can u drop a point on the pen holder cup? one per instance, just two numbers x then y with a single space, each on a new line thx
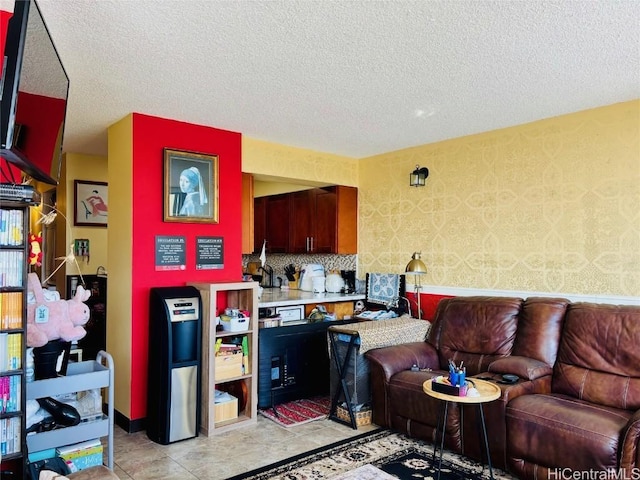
457 379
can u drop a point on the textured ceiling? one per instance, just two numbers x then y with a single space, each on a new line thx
354 77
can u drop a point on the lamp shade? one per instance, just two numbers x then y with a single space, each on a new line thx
416 265
418 177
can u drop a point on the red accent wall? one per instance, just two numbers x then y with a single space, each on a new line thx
150 136
428 304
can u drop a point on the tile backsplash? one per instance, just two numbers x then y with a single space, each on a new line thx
278 261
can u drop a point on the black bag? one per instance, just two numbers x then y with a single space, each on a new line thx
55 464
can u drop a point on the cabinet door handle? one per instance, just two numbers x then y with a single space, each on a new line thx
311 243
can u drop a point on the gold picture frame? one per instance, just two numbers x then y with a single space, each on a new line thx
190 187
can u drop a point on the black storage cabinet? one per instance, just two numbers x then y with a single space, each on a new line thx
293 362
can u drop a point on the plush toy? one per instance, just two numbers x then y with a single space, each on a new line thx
58 319
35 249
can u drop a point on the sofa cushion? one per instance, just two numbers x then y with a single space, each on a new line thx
590 433
599 358
539 328
476 330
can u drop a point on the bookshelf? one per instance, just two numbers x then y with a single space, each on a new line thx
14 228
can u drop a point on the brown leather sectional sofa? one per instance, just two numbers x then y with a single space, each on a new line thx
575 406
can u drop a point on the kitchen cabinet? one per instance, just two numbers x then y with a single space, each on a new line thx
293 362
248 222
324 220
276 223
259 222
324 229
244 386
317 220
302 220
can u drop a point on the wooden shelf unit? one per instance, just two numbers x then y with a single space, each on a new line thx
242 295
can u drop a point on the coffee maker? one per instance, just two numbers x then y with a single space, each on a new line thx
349 277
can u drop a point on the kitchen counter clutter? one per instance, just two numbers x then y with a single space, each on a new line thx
287 307
277 297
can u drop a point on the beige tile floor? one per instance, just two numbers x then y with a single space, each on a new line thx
221 456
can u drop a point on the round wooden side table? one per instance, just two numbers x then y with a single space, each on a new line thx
487 392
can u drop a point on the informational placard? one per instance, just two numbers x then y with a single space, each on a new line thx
171 253
209 253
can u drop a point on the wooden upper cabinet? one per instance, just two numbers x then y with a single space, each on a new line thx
318 220
324 220
259 222
302 220
277 223
324 226
346 220
248 220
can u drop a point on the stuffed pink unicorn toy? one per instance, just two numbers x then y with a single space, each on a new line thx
58 319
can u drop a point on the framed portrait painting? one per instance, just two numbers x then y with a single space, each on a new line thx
190 187
90 200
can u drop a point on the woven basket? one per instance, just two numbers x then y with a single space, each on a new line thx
363 417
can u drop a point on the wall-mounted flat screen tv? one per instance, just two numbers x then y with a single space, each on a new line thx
34 91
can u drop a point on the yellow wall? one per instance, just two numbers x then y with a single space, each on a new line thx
90 168
119 298
550 206
263 189
272 159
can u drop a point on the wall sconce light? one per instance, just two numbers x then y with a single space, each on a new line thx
418 177
417 268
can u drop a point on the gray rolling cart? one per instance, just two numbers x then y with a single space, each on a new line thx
80 376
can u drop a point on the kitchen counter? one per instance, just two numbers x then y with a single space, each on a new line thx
276 297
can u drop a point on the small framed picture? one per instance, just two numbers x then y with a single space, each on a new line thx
90 203
190 187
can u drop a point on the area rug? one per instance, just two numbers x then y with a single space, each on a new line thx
298 412
377 455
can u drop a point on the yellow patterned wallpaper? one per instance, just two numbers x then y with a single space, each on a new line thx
550 206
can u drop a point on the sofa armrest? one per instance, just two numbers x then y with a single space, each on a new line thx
390 360
630 444
523 367
387 361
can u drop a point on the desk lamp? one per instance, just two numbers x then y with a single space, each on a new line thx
417 268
